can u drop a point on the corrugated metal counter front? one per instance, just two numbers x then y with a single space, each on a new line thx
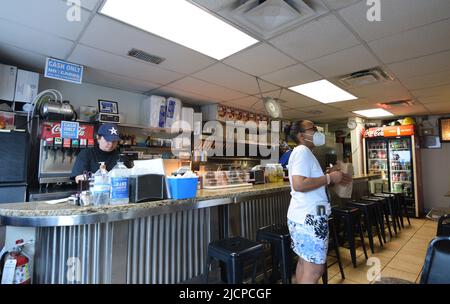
152 242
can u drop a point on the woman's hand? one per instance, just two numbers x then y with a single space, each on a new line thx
346 179
336 177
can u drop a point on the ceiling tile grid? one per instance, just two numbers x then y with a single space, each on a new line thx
49 16
315 39
291 76
177 58
260 59
122 66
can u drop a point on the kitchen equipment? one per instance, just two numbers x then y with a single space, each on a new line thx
141 191
54 110
87 113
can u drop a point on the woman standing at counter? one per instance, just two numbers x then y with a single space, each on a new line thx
309 207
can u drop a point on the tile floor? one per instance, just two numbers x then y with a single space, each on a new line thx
401 257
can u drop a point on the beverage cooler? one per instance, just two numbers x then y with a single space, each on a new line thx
393 153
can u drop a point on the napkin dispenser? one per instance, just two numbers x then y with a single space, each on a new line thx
147 187
257 177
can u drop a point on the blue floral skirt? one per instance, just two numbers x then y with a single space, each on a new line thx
310 239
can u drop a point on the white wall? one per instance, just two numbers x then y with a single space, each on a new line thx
435 171
88 94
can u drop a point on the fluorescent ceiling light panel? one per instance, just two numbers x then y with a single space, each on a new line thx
181 22
323 91
372 113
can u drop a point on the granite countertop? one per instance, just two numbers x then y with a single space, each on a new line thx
43 209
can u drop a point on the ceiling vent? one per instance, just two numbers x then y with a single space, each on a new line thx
266 18
141 55
366 77
396 104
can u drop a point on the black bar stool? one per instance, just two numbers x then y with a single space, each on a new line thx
370 218
392 209
383 214
401 206
280 245
352 222
234 253
333 237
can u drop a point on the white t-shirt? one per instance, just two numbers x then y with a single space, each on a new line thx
303 162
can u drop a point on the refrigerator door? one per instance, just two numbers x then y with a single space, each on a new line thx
400 164
377 162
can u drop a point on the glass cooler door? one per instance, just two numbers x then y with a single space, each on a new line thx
400 164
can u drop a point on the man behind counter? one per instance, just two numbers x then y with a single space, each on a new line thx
105 151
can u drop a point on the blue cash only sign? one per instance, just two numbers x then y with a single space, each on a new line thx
62 70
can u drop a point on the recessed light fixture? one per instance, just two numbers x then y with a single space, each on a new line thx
323 91
182 22
373 113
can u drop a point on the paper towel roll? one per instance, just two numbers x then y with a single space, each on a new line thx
154 112
173 111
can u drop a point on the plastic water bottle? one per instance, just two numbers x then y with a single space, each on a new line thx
101 186
119 184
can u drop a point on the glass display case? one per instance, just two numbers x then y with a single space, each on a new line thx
225 179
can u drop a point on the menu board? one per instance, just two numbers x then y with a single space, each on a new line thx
444 129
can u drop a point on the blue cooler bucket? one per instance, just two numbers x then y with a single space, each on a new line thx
183 188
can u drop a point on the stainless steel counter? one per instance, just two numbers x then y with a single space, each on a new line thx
152 242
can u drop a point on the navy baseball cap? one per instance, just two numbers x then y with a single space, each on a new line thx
109 131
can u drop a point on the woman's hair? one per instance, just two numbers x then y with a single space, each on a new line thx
296 128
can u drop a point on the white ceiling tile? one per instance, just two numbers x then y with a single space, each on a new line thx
383 92
431 92
410 110
33 40
425 81
337 4
88 4
178 58
434 99
438 107
421 66
291 76
315 39
229 77
248 103
294 100
45 15
319 110
122 66
353 105
414 43
111 80
185 97
214 5
347 61
21 58
396 16
259 60
200 87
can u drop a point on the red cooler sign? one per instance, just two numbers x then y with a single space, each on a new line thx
53 129
390 131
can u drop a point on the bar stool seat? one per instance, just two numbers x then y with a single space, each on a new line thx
280 244
383 214
334 243
370 217
352 220
393 210
234 253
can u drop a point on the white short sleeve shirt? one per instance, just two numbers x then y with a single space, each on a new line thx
303 162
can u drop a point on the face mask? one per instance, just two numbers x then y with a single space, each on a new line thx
318 139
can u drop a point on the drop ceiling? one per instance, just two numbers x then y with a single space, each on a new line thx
410 43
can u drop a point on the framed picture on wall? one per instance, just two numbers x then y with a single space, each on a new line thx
108 106
444 129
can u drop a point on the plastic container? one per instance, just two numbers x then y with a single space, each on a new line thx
101 187
119 184
183 187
